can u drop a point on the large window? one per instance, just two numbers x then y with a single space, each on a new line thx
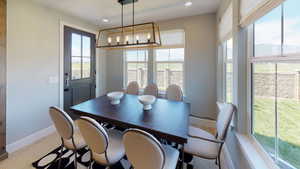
276 83
169 67
163 65
228 65
136 67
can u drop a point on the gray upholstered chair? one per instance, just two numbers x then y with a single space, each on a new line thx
106 147
71 138
174 92
133 88
145 152
151 89
205 145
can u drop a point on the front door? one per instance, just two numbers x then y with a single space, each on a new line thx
79 66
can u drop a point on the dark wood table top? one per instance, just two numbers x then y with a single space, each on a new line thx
167 119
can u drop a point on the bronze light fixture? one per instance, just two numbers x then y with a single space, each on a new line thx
132 36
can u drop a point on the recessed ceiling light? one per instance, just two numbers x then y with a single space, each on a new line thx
105 20
188 3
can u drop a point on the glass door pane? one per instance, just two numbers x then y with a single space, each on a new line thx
86 58
76 56
288 108
264 78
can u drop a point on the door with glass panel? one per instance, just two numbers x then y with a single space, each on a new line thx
79 66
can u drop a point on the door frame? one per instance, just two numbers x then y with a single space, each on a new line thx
3 75
61 59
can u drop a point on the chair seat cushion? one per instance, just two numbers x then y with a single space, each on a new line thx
195 131
115 150
78 140
199 147
172 155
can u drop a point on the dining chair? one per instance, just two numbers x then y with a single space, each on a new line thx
205 145
151 89
145 152
174 92
106 147
70 138
133 88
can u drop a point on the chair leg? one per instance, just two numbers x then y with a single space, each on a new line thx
60 155
75 159
219 162
91 160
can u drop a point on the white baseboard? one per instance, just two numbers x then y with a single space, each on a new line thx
10 148
227 158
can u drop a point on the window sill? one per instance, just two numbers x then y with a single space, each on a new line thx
254 153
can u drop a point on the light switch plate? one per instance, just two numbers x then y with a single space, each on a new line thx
53 80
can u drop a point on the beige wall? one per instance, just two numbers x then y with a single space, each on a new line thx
33 49
200 56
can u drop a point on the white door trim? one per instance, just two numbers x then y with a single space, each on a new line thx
61 58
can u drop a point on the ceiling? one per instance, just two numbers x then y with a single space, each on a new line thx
94 11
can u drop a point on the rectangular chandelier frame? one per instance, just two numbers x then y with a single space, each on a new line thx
132 36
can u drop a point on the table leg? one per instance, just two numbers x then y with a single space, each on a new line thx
182 154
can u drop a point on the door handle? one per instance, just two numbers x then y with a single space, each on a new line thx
67 81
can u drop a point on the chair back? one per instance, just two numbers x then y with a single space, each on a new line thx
63 122
143 150
93 134
151 89
224 118
133 88
174 92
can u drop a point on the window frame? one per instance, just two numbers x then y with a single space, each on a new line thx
181 62
275 59
125 67
226 61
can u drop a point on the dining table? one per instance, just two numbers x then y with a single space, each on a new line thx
168 120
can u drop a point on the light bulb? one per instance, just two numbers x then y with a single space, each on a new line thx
149 36
118 39
127 39
137 37
109 40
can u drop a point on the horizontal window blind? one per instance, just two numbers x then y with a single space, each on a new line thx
251 10
225 25
173 38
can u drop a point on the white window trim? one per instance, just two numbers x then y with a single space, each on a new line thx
254 153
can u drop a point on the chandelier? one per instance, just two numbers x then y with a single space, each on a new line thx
130 36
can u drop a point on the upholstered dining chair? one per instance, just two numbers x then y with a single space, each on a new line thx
70 138
145 151
133 88
205 145
106 147
174 92
151 89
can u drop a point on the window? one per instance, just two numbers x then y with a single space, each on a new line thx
81 56
276 84
228 70
169 65
136 67
164 66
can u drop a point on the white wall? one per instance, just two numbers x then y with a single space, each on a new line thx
200 77
33 50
